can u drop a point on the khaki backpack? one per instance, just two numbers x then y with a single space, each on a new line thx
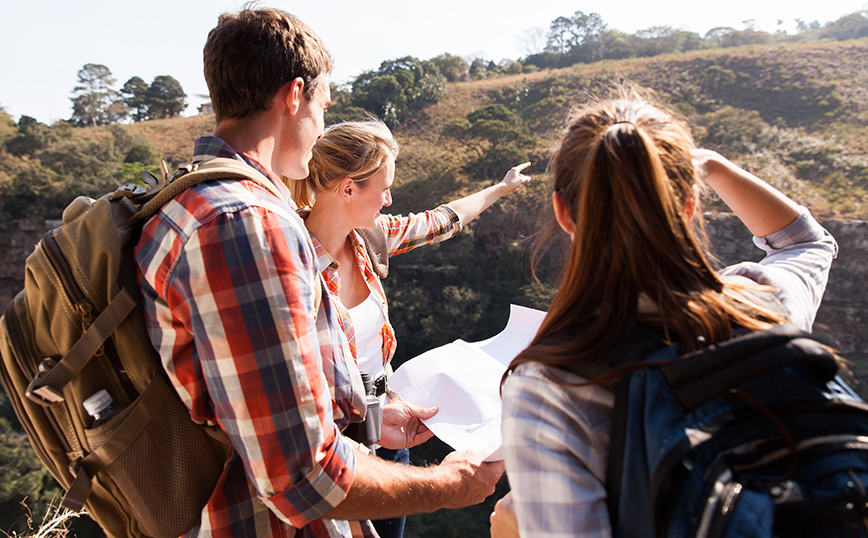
76 328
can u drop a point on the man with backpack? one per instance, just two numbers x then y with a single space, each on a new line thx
232 302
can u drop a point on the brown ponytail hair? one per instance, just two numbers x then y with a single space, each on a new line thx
353 149
624 170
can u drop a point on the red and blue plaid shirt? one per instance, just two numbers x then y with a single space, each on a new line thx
228 277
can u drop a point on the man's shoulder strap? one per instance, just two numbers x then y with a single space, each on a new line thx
201 169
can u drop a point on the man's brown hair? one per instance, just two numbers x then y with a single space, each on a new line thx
251 54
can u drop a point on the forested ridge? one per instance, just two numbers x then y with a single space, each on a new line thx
794 114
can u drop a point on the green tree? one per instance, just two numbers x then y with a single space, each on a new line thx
22 476
135 91
717 35
30 137
143 152
577 38
80 158
852 26
95 102
165 98
454 68
489 127
496 135
665 40
7 126
477 69
730 37
398 87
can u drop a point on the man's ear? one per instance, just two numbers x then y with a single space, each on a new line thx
294 94
562 214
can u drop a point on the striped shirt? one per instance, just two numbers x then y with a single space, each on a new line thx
403 234
228 278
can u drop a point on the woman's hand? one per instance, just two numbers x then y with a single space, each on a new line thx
504 524
514 178
706 162
402 425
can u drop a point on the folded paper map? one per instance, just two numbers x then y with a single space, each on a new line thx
463 380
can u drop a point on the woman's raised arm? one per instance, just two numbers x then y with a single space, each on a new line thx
469 207
761 207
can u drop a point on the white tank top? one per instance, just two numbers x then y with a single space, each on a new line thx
368 321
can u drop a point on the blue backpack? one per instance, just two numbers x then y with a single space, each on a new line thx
756 436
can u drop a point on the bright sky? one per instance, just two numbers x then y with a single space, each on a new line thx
44 43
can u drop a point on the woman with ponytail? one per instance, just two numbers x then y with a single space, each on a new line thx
627 179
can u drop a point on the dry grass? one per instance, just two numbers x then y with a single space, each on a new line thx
54 524
173 138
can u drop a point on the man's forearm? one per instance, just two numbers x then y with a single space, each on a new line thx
383 489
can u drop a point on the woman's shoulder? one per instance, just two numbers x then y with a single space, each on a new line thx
534 371
534 381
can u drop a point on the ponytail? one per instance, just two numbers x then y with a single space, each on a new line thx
624 170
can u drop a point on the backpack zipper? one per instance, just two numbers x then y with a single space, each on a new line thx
85 308
722 518
720 506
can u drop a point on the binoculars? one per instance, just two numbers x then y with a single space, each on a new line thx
367 432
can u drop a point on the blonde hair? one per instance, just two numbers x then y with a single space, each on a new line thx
353 149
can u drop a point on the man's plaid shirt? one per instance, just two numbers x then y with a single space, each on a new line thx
228 278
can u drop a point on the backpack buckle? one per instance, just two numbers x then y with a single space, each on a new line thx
38 392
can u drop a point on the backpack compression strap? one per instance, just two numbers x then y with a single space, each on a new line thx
701 376
46 387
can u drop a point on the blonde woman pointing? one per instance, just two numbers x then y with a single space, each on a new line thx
351 174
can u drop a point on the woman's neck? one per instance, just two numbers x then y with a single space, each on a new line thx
329 228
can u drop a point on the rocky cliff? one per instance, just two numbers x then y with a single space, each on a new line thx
842 316
844 311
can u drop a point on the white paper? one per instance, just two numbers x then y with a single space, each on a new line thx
463 380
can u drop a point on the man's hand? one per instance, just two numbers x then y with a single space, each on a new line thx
473 479
504 524
402 425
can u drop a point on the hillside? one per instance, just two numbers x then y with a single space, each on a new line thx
792 114
795 115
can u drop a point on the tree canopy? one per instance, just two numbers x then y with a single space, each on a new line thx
94 101
135 95
398 87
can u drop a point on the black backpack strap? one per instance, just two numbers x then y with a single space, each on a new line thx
701 376
642 342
